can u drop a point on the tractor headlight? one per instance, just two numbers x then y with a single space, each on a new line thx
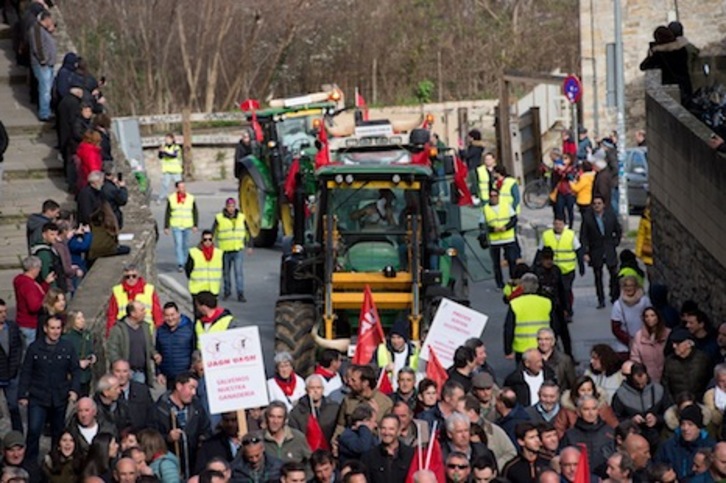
451 252
297 249
396 178
339 178
271 144
349 178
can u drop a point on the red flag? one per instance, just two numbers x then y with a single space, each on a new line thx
290 181
322 157
384 383
435 371
582 474
460 174
422 157
370 331
253 105
314 434
435 463
361 104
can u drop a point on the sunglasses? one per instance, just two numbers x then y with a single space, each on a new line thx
130 276
206 239
452 466
249 441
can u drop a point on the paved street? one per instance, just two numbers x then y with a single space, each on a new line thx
590 325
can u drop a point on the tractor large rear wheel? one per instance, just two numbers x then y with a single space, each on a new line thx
294 322
251 200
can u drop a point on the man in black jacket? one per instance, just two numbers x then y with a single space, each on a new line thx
111 406
49 379
223 444
11 354
14 456
115 193
526 466
600 235
324 410
389 461
526 380
137 395
90 198
180 411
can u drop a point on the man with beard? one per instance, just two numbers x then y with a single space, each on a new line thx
252 464
525 467
546 409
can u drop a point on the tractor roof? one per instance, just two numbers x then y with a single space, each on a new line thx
315 108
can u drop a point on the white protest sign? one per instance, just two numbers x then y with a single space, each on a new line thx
453 324
234 370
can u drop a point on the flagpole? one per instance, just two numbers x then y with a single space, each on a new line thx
420 443
431 445
356 97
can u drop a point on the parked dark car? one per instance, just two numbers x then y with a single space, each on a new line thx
636 172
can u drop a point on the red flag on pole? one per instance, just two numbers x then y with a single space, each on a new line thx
384 383
434 458
435 371
360 103
582 474
314 434
322 157
370 331
253 105
460 174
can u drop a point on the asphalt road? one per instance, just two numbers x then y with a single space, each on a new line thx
590 325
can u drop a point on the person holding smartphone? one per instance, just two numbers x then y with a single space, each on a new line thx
114 191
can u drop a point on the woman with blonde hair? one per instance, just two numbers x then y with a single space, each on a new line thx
76 332
54 305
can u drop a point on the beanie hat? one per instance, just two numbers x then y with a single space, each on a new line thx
693 414
400 327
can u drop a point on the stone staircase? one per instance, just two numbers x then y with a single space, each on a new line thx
31 172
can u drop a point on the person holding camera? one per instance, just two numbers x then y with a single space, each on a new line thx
115 193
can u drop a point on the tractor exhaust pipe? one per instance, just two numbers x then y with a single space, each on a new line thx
340 345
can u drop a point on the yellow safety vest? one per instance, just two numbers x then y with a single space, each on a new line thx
182 214
483 175
146 297
206 274
172 165
564 249
384 356
505 193
230 232
497 216
532 312
219 325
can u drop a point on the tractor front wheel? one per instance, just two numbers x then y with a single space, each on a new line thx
294 322
251 200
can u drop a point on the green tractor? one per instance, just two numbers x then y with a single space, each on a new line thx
287 128
373 222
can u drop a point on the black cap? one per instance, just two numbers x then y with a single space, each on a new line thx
680 334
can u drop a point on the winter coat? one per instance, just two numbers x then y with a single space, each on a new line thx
117 414
567 417
79 246
64 473
498 441
352 443
276 393
383 468
34 228
69 108
648 351
608 384
671 417
603 187
118 346
294 447
509 422
89 160
83 344
116 196
10 362
176 347
218 446
563 368
83 445
709 400
679 453
582 188
49 373
629 402
197 428
166 468
326 414
242 473
89 200
29 296
351 401
516 382
472 155
51 262
596 437
672 60
690 374
62 83
140 403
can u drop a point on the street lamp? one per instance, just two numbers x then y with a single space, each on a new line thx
620 97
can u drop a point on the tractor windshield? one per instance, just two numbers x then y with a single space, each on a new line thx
296 133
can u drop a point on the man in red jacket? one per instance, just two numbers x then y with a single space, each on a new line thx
133 287
29 296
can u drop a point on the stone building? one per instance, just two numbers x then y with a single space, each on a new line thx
704 24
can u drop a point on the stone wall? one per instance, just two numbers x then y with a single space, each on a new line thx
704 24
688 187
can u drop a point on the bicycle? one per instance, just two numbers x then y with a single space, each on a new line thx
537 192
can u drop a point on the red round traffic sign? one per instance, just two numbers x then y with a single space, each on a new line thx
572 89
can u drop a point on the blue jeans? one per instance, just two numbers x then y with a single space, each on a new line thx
615 200
28 335
166 180
565 208
233 261
181 244
44 74
37 416
10 388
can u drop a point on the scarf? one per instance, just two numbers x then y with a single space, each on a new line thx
323 372
180 197
208 252
287 386
208 319
133 290
548 416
